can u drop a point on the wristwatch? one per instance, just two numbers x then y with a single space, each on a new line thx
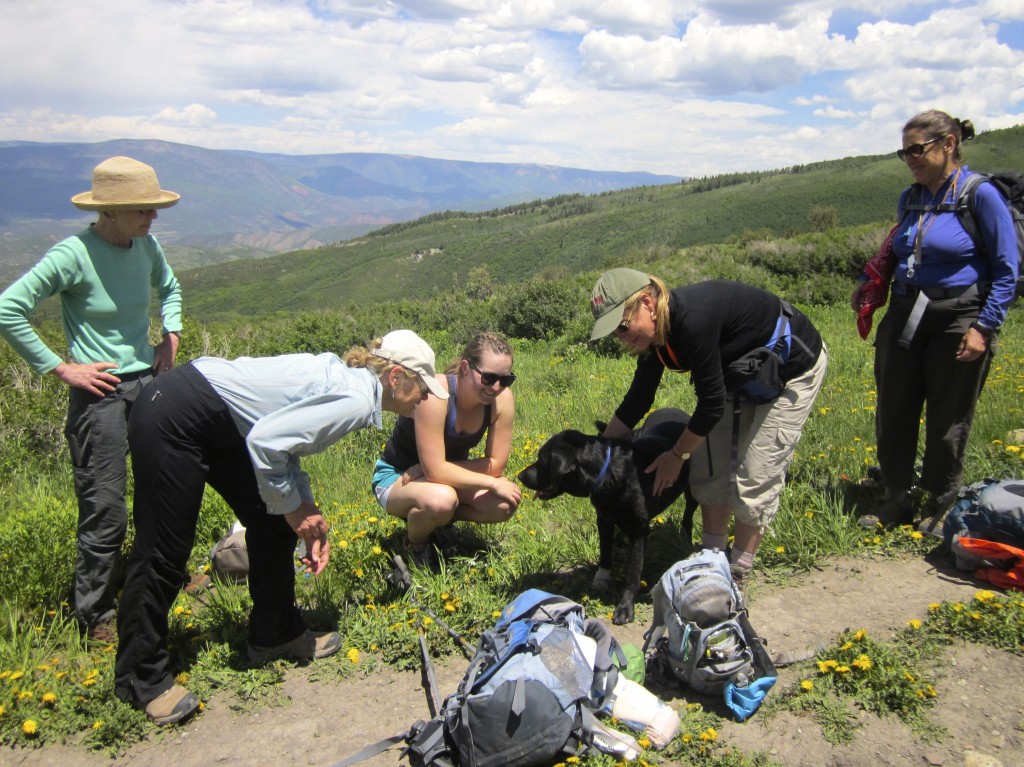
683 457
985 330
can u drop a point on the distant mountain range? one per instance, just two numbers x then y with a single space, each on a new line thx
237 204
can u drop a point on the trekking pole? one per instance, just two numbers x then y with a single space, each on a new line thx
403 578
428 670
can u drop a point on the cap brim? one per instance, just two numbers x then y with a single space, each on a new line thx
606 324
435 388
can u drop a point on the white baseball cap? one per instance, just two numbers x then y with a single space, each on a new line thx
405 348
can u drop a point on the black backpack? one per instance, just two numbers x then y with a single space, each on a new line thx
1010 184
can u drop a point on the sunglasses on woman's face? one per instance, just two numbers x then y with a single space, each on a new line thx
915 150
489 379
623 327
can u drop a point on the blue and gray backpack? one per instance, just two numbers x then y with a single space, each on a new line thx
702 636
992 510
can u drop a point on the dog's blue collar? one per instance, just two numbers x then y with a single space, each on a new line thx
604 469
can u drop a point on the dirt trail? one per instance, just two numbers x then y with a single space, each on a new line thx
980 697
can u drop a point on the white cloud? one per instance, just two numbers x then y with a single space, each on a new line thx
677 86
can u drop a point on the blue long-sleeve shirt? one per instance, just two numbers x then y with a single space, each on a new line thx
290 406
949 257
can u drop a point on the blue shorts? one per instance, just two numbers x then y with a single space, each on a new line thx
384 477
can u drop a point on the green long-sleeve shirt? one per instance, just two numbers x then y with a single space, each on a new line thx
105 295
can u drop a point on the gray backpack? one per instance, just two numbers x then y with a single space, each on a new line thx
702 635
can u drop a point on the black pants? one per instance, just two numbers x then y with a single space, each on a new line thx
182 437
926 376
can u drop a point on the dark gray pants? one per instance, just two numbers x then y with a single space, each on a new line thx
97 434
926 376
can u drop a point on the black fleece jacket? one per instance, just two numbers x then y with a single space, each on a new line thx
712 324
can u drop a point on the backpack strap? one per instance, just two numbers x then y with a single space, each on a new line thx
384 744
967 211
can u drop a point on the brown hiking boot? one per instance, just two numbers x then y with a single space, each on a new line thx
740 577
172 706
306 646
934 512
896 510
421 554
104 631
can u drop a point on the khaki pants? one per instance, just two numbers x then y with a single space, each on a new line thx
768 435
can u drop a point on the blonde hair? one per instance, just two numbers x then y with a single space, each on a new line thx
659 294
474 350
362 357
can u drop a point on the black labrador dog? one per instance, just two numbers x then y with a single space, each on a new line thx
612 474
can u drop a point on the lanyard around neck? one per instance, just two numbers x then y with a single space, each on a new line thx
922 227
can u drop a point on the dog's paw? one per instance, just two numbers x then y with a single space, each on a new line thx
602 579
623 613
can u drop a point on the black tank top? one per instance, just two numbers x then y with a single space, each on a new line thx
400 451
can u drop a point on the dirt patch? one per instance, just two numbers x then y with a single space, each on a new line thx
979 694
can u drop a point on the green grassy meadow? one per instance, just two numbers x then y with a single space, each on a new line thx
55 687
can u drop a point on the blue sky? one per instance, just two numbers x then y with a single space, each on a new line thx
682 87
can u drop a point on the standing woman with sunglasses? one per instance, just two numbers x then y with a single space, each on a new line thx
950 296
425 475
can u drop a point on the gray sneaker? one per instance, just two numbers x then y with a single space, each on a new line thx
306 646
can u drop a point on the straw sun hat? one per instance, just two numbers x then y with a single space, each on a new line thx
122 182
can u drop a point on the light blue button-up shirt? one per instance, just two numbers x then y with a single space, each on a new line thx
290 406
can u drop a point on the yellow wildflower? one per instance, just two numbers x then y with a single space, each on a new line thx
842 669
914 624
49 699
780 549
353 656
710 735
917 535
29 727
984 596
97 725
859 635
847 646
377 550
807 685
16 676
934 606
863 662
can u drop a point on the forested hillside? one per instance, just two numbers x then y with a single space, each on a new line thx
804 227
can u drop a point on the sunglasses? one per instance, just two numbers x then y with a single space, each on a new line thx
489 379
915 150
623 327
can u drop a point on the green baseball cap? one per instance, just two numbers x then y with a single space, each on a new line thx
612 290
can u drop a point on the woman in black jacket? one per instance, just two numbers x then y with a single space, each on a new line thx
738 448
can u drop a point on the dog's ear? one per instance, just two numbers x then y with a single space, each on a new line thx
563 462
570 437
